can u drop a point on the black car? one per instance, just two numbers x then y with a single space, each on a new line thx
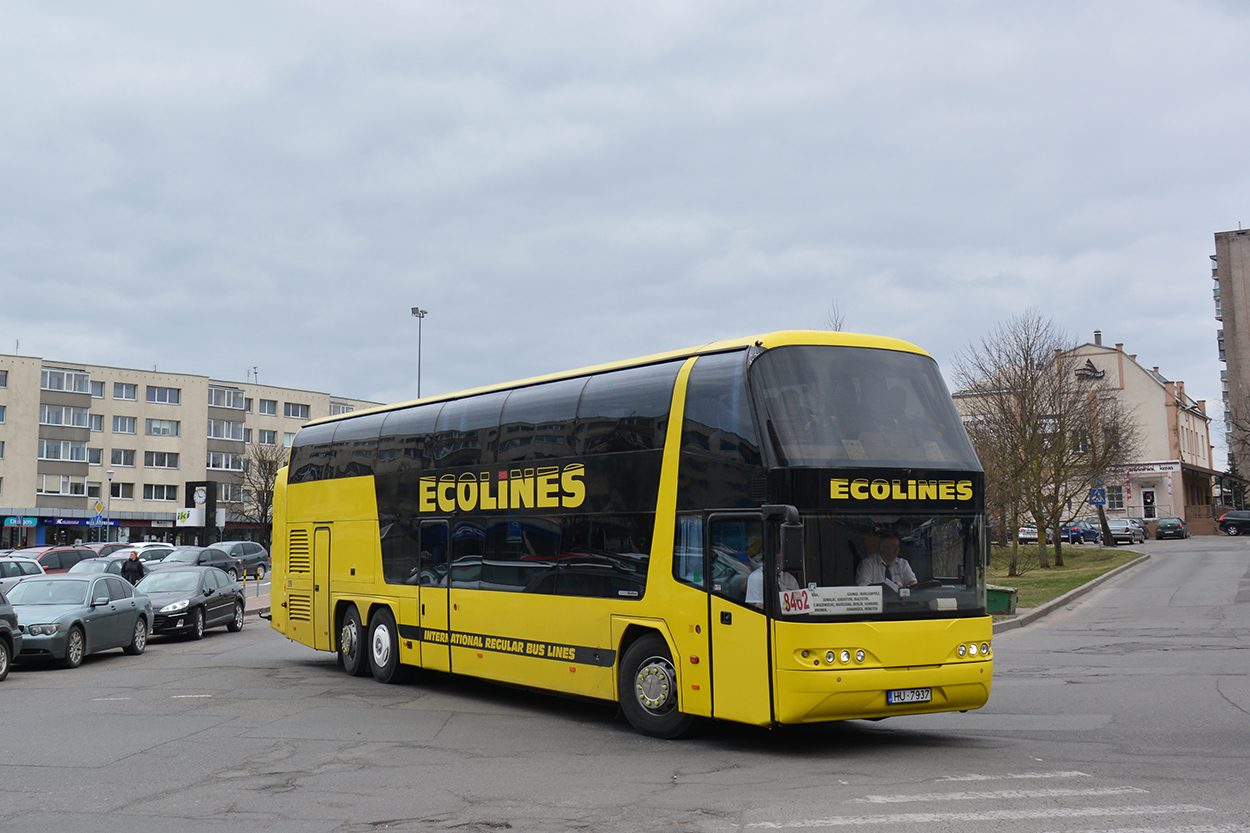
10 636
1080 532
200 557
1235 521
186 600
253 556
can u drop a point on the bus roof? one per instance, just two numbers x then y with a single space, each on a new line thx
779 338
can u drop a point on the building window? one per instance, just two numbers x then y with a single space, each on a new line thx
4 378
296 411
1115 498
62 450
74 381
268 407
60 484
247 435
97 389
229 493
122 491
225 397
93 489
121 390
1 413
341 408
123 425
63 415
163 396
222 461
221 429
288 438
95 456
123 457
160 459
267 437
1 449
160 427
96 422
158 491
247 405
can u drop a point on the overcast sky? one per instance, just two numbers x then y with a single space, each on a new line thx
214 187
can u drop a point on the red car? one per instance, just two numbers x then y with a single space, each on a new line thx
56 559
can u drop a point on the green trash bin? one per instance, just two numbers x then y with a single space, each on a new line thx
1000 601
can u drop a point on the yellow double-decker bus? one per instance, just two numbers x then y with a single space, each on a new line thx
781 529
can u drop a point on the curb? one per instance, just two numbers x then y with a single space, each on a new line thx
1072 595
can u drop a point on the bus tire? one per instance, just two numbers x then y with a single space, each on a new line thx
383 646
647 689
351 644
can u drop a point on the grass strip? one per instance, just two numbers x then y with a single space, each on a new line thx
1036 586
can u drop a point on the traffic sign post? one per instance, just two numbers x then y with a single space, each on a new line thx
1097 497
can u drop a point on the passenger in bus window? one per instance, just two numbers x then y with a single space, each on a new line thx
884 565
755 585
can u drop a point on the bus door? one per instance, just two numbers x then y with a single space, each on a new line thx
433 601
737 623
322 615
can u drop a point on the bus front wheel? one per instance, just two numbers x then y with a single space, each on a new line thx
648 689
351 633
383 646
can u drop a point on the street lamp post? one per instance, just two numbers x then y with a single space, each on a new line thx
419 314
108 509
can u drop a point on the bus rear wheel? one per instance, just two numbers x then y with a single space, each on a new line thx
383 646
647 689
351 654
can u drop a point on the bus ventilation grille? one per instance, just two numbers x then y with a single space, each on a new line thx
298 555
759 490
299 607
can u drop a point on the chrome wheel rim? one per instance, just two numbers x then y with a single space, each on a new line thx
73 650
654 685
141 635
381 645
347 638
238 616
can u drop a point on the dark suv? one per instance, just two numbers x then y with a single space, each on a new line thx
203 557
56 559
1235 521
10 636
253 556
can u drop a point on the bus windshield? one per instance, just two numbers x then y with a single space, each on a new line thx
895 567
827 405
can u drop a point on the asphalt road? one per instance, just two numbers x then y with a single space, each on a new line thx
1127 710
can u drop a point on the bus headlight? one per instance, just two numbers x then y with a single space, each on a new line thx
985 648
846 656
962 650
859 656
830 657
972 649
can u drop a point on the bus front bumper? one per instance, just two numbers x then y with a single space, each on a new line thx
839 694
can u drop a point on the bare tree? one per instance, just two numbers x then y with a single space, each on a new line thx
260 470
1047 432
836 319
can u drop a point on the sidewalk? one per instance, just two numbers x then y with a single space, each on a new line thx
1024 616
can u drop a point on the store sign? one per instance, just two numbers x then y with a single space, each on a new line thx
19 520
1153 468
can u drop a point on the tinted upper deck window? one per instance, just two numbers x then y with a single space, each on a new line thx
538 422
467 431
626 410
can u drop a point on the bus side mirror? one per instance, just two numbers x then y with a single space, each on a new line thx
792 547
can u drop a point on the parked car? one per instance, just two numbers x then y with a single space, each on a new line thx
1080 532
1123 531
253 556
10 636
203 557
106 547
189 599
56 559
107 564
14 568
149 551
66 617
1235 521
1028 535
1141 525
1170 528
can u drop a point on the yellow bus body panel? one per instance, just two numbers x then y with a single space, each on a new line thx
897 655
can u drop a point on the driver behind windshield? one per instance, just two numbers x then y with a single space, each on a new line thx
884 565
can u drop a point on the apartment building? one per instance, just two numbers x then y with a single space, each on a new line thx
1230 268
1174 472
90 452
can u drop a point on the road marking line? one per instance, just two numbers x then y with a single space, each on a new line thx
1062 792
107 699
187 696
1195 828
1008 776
984 815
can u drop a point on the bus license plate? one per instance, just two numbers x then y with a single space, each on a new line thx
908 695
